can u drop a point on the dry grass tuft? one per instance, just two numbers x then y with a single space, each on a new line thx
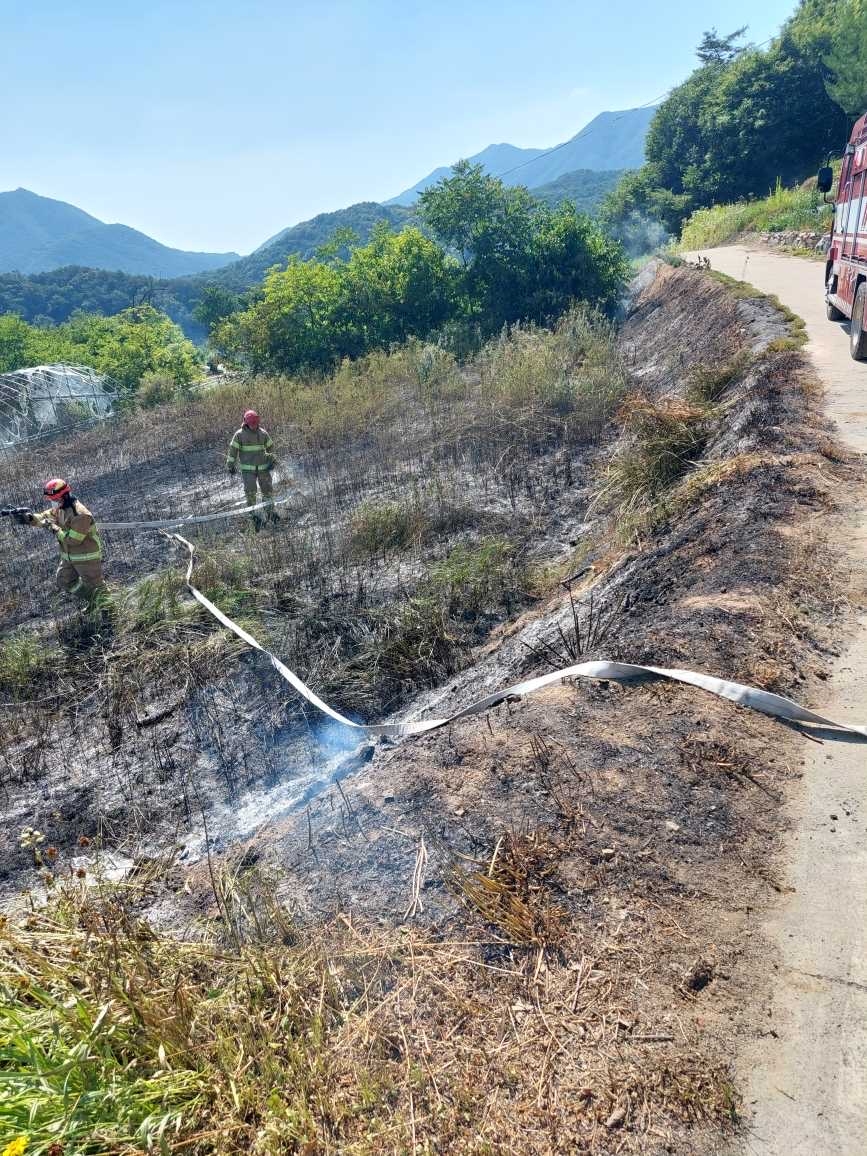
661 441
255 1035
512 895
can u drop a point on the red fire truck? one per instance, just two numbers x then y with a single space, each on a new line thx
846 270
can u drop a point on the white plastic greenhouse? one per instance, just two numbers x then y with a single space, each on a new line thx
37 401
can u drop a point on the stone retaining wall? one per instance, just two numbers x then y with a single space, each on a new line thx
791 239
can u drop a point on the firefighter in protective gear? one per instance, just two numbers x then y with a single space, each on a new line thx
252 449
80 570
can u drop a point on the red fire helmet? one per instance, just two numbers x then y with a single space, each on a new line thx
56 489
251 419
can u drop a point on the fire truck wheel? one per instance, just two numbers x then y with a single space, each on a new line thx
857 332
833 313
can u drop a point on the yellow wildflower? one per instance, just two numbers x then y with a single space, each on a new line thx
15 1147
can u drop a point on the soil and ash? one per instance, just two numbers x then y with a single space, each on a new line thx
565 890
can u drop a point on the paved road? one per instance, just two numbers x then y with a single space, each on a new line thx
808 1087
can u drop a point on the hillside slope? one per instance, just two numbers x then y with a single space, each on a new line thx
612 140
39 233
556 902
585 188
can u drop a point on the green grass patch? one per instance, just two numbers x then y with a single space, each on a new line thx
479 578
24 660
799 209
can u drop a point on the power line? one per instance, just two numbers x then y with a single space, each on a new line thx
581 136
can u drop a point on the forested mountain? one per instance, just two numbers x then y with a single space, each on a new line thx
304 239
38 233
51 298
585 188
612 140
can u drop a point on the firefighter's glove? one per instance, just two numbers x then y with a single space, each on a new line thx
22 517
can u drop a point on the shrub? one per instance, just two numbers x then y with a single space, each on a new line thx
156 389
569 379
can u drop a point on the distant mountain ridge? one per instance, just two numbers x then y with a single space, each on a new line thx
38 234
612 140
302 240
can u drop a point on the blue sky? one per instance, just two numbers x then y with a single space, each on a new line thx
214 125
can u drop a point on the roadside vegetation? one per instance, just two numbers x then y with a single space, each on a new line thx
799 209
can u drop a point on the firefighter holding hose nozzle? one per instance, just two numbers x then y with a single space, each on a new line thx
252 449
80 570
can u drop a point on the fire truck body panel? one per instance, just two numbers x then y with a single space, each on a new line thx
847 256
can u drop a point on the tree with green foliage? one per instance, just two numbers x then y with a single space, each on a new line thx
519 259
313 313
397 286
846 57
135 342
14 335
716 49
215 305
292 326
744 120
770 118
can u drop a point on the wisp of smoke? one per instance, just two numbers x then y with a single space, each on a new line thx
640 235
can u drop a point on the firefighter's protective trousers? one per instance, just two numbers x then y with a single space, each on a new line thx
253 451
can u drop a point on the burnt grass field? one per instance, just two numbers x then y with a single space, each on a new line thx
529 932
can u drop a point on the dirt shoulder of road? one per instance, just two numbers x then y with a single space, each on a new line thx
806 1081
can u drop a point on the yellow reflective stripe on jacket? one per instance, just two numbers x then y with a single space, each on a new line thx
243 467
81 557
75 535
245 449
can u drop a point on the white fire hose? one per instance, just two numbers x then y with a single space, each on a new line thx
775 705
